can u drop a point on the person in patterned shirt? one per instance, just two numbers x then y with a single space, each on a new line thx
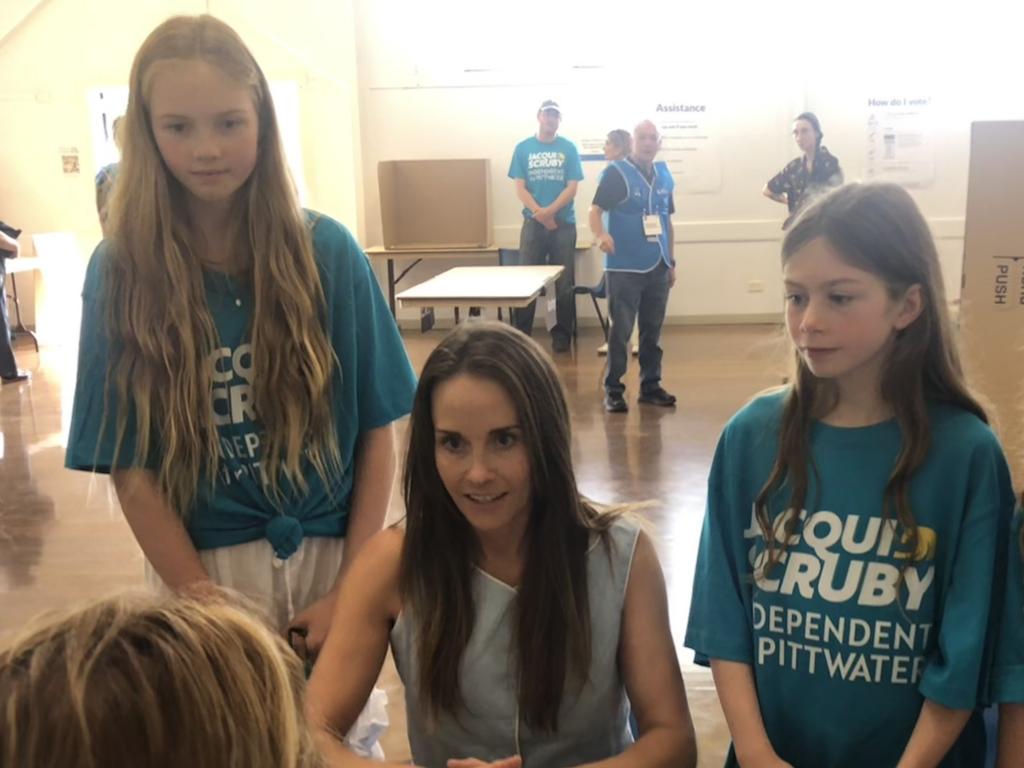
815 171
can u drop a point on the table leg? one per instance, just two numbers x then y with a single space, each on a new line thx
391 287
20 326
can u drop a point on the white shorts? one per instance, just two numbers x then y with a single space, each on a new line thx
282 589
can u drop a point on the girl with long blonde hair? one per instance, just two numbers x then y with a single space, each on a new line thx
239 370
850 554
152 681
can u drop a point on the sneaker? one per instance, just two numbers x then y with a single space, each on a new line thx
657 397
560 344
603 350
18 376
614 402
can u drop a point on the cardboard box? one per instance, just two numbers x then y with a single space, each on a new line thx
992 295
435 203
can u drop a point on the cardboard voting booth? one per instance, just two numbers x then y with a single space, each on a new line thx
435 203
992 294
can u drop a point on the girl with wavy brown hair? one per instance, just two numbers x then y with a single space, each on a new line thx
849 562
239 371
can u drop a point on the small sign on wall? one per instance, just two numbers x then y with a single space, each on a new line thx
69 160
899 140
689 143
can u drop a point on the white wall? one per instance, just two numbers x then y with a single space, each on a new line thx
388 79
443 82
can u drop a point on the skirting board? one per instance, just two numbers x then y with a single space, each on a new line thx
763 318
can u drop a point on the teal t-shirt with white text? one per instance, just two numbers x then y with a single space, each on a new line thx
547 168
375 386
841 666
1008 672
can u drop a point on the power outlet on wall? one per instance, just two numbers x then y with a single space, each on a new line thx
755 286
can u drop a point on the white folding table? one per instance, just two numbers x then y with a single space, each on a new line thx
490 287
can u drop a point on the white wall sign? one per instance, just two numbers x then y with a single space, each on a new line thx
592 145
69 161
689 144
899 143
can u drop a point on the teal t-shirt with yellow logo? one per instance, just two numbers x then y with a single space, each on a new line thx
1008 674
547 168
846 636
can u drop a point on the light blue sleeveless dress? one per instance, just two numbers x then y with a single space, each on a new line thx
592 723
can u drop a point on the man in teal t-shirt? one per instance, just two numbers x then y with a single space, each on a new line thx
546 169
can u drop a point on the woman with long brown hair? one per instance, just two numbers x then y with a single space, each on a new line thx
524 621
844 586
239 371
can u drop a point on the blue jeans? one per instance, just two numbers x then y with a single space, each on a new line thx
632 297
540 245
8 366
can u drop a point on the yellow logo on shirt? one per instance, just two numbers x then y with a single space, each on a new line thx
927 540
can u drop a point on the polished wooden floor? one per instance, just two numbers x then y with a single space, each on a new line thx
62 537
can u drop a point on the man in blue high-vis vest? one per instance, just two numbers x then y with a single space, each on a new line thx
546 169
631 219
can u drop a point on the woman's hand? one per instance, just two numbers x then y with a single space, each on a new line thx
316 620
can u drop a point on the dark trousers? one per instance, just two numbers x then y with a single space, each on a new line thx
8 366
540 245
632 297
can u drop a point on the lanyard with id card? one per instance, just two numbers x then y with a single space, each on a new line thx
652 221
652 226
